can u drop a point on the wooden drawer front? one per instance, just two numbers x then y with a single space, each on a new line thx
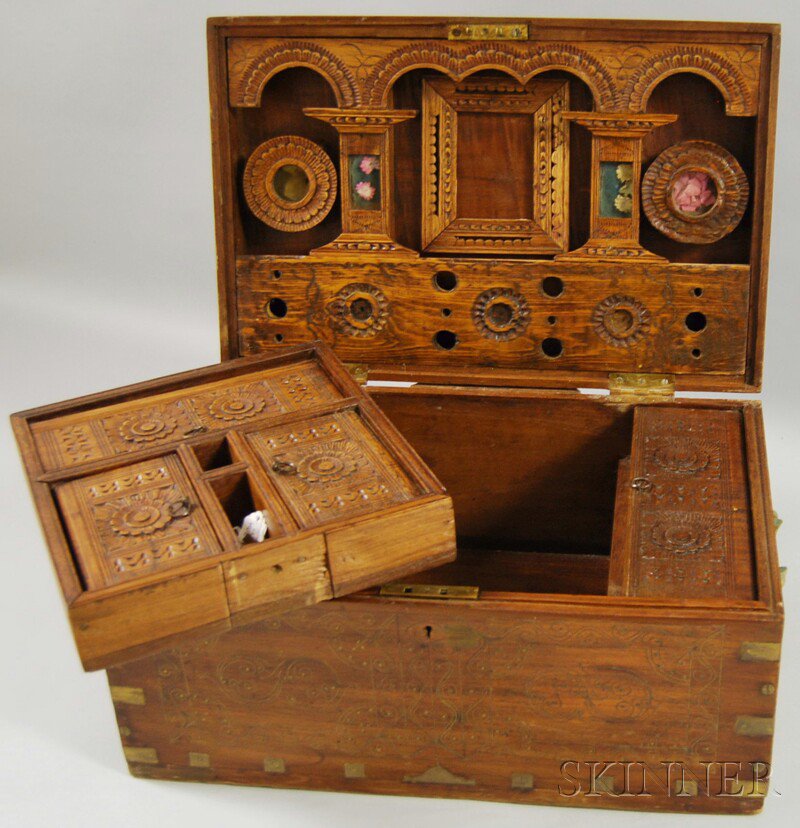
690 532
133 521
330 468
119 429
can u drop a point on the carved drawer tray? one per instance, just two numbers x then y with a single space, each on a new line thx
143 492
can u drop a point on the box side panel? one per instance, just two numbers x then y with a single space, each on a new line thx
472 700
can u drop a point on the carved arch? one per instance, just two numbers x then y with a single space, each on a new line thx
522 67
712 66
286 55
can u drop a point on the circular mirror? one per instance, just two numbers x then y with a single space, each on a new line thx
291 182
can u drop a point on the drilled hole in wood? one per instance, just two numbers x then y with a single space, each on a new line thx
552 286
446 312
277 568
551 320
698 291
552 347
696 321
276 274
446 340
278 337
276 308
361 309
696 353
445 280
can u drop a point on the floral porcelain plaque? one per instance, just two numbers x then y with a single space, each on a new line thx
365 182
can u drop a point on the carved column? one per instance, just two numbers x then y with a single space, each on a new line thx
616 173
366 148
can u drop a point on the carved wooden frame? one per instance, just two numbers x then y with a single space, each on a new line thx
733 192
266 203
546 230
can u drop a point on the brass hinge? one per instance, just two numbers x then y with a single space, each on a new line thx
640 388
488 31
359 371
468 593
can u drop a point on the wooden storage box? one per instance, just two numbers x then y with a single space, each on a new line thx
502 212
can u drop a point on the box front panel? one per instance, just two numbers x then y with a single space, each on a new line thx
438 699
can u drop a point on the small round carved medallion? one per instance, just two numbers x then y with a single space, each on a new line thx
147 427
236 405
686 537
695 192
325 466
290 183
621 321
682 456
359 309
500 314
140 514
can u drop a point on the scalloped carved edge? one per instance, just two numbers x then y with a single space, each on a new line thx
285 55
522 67
701 61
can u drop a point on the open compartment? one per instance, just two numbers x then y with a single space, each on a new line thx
542 482
239 496
215 454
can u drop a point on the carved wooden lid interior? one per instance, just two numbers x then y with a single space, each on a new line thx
528 203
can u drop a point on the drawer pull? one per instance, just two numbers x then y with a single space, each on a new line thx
641 484
284 467
180 508
199 429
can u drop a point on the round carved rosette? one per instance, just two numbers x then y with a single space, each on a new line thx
682 456
682 537
290 183
500 314
359 309
325 465
621 321
140 514
237 405
695 192
147 427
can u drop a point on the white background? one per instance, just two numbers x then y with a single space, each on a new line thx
108 277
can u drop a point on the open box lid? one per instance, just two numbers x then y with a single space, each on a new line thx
143 494
497 202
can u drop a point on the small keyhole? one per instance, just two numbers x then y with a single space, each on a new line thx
428 631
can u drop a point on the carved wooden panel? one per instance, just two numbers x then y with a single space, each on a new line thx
331 468
501 314
431 699
163 419
490 167
689 532
477 201
621 75
134 521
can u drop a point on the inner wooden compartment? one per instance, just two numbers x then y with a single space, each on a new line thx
533 480
533 477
